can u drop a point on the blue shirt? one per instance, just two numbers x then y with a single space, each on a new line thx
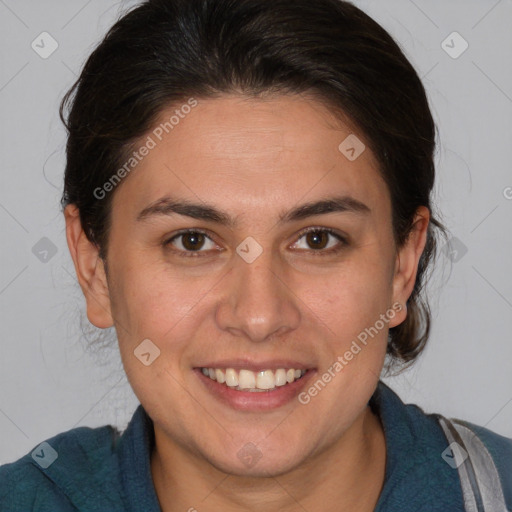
102 470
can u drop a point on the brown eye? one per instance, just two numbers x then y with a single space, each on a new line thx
190 243
321 241
317 239
193 241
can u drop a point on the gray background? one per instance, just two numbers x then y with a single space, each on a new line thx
50 383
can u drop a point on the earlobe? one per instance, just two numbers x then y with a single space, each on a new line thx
407 260
90 270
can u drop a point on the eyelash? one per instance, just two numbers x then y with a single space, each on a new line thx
320 252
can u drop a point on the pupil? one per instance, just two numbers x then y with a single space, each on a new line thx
314 237
196 239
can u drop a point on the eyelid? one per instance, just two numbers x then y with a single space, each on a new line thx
331 231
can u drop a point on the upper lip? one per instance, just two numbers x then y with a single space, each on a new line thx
256 366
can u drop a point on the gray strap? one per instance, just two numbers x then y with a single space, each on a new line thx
480 481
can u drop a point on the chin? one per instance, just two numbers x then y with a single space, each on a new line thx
262 467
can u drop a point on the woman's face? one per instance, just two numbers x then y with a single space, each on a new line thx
251 290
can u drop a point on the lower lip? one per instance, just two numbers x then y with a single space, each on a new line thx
255 401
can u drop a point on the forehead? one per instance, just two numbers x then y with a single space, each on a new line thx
252 153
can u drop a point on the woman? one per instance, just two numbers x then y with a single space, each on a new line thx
248 201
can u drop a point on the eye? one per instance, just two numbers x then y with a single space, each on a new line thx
189 241
317 240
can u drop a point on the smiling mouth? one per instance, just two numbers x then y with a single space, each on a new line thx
247 380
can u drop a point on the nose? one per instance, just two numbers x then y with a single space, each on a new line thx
257 302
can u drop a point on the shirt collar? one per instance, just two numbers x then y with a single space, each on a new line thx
135 448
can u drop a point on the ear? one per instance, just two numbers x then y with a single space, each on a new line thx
89 269
406 263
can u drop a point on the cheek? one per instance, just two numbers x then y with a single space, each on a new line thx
351 298
151 305
152 302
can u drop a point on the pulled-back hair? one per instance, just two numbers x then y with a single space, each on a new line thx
164 52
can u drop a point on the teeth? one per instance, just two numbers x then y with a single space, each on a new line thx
280 377
248 380
265 380
231 378
220 376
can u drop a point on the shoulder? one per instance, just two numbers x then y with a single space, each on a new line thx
426 466
499 446
45 478
485 457
416 478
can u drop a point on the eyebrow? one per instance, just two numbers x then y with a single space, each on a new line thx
168 206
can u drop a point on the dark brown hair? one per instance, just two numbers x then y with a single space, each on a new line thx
165 51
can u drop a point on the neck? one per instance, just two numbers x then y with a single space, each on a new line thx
346 476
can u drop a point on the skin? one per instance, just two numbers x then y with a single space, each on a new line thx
254 159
